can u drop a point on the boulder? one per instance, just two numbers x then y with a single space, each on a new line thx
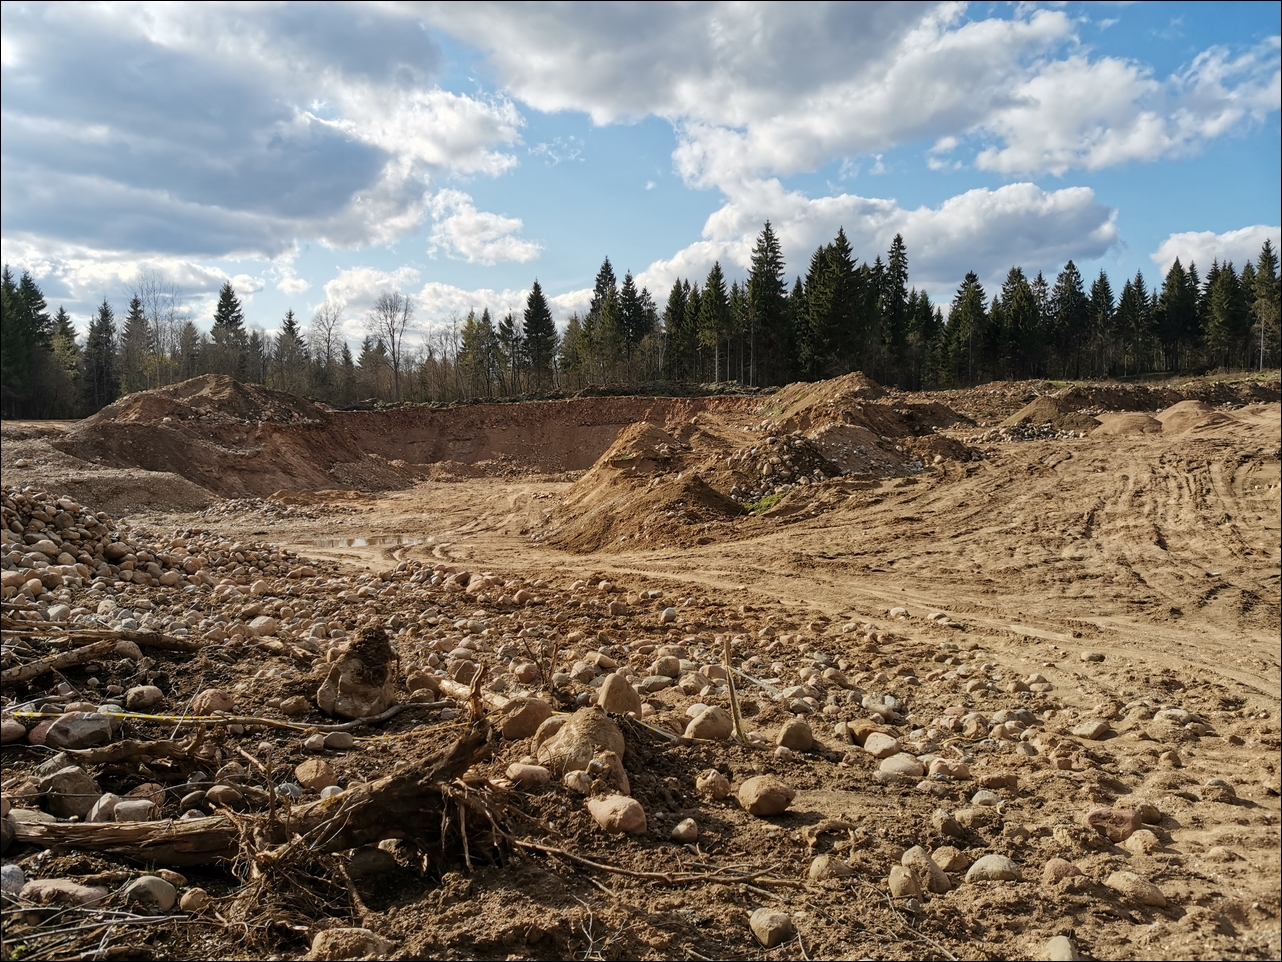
618 697
618 814
588 732
712 723
765 795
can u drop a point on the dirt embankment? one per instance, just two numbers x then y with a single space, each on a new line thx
541 436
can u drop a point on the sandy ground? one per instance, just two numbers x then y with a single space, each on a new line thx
1133 571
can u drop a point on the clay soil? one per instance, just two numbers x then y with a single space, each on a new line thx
1133 563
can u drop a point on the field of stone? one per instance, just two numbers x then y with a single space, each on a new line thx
830 672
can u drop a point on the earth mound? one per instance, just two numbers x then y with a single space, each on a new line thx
233 439
1127 422
1193 415
1052 410
642 489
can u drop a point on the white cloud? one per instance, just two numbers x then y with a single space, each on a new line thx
476 236
1203 247
222 131
1079 113
756 90
984 230
357 288
87 275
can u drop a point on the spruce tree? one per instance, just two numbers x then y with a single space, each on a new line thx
101 384
714 317
509 347
894 309
767 309
1102 317
1226 330
1265 306
230 341
67 375
135 349
1176 315
1069 314
967 321
291 365
538 335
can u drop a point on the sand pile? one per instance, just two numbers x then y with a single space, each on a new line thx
1127 422
231 438
1052 410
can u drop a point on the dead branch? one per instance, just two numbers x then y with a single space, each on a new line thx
77 635
463 694
77 656
718 876
131 750
391 806
394 806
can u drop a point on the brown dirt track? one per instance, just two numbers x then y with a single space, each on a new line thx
1155 548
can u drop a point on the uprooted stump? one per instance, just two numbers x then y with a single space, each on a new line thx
415 802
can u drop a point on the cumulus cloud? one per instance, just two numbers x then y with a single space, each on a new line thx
1094 114
757 90
356 289
85 275
204 131
1203 247
476 236
981 230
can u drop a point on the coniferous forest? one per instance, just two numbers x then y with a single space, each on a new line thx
843 315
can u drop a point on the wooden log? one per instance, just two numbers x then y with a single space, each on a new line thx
196 841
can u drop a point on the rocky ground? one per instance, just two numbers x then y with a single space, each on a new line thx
947 696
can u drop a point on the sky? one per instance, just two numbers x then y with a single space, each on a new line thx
456 152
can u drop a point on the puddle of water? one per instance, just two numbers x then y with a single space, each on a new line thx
364 542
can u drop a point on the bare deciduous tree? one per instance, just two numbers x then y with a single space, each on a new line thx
389 319
326 337
164 306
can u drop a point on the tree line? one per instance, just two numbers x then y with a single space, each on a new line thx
841 316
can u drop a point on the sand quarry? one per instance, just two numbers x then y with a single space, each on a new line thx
830 672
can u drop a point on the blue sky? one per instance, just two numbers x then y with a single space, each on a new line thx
457 151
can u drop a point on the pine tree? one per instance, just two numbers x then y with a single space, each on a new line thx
967 321
291 365
101 384
767 310
67 376
1265 306
230 341
894 309
1069 313
714 317
1176 315
538 334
